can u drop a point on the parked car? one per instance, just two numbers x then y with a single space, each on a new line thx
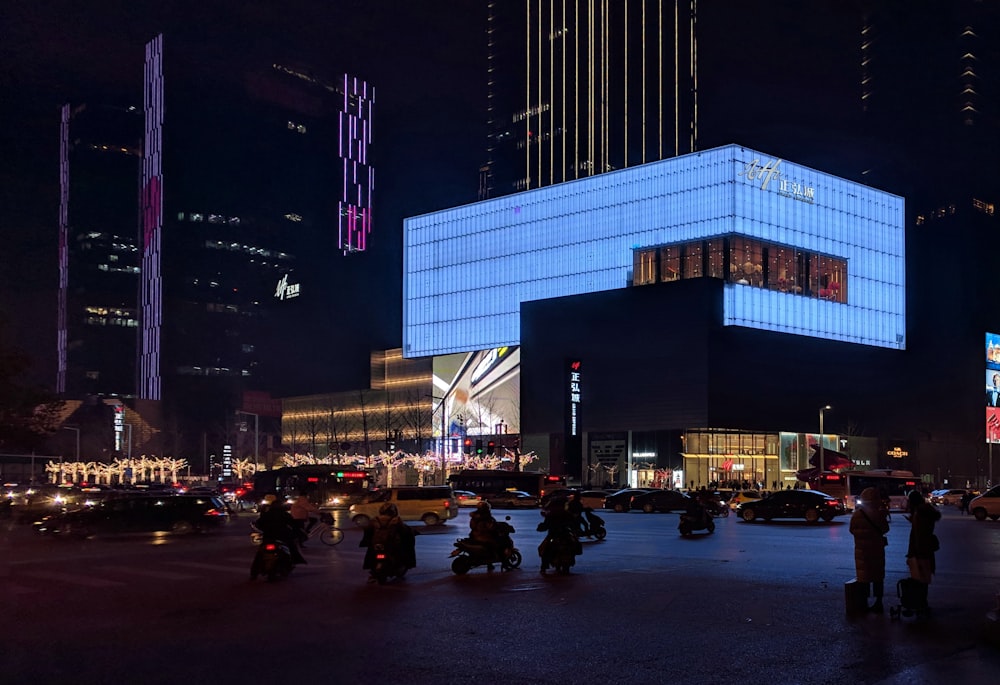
431 504
947 497
811 505
987 504
593 498
660 501
513 499
622 500
560 493
140 513
467 499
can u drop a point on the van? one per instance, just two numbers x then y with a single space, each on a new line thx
432 504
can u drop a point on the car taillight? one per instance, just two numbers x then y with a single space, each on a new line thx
380 556
833 503
447 504
270 547
215 512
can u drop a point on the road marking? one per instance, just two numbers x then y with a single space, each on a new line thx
159 575
74 579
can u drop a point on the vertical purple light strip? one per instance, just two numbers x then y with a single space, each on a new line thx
355 215
61 333
150 291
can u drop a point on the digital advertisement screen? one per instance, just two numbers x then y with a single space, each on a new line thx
992 387
481 392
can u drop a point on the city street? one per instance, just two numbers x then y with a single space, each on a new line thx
757 602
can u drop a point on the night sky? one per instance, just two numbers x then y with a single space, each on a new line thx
774 88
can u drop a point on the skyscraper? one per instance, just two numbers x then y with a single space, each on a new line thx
248 177
580 88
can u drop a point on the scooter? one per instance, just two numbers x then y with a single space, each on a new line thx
273 559
388 565
595 526
469 553
690 523
559 550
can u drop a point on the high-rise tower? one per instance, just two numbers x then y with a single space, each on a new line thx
577 88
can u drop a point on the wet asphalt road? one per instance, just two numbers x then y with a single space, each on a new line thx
760 603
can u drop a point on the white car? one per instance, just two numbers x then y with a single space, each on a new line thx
987 504
467 499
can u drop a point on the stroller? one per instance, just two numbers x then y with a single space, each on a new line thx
912 596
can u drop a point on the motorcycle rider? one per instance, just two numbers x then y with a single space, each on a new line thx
696 511
275 524
556 522
484 530
397 539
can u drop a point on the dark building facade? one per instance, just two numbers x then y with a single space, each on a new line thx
236 183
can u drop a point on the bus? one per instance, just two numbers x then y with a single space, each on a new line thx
328 486
490 483
894 486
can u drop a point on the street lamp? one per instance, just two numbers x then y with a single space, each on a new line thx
74 428
444 430
822 410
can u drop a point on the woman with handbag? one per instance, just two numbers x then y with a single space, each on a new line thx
869 524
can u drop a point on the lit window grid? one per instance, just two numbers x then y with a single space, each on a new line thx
61 332
467 269
355 207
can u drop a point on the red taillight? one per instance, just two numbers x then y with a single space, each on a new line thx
833 503
270 547
447 504
380 556
215 512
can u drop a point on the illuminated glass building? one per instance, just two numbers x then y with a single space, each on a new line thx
247 179
667 283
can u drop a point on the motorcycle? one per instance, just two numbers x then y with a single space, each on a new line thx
273 559
690 523
469 553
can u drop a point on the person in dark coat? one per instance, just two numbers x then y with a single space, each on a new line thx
869 524
923 543
389 530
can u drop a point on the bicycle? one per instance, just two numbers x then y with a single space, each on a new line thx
325 529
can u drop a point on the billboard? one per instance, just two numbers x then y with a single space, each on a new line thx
478 392
992 387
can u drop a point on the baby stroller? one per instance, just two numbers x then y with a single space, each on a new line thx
912 599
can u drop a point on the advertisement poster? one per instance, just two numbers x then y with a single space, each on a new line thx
992 387
481 393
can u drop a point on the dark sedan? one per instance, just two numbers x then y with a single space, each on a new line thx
808 504
621 500
660 501
177 514
513 499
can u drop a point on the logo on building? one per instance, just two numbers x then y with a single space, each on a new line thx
770 171
286 290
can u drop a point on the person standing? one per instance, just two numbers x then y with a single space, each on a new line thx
922 545
869 524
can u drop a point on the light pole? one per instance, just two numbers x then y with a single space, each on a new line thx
77 429
129 426
444 471
822 411
256 438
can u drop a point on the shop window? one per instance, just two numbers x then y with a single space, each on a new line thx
644 267
670 263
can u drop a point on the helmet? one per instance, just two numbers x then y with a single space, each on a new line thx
270 499
484 507
869 495
388 509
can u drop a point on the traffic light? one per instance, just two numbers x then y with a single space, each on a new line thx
468 446
491 447
479 448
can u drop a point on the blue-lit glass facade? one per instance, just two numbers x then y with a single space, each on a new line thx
468 269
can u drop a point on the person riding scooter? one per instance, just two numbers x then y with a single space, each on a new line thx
275 524
388 532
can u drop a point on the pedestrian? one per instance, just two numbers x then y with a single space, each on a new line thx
963 504
923 544
869 525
